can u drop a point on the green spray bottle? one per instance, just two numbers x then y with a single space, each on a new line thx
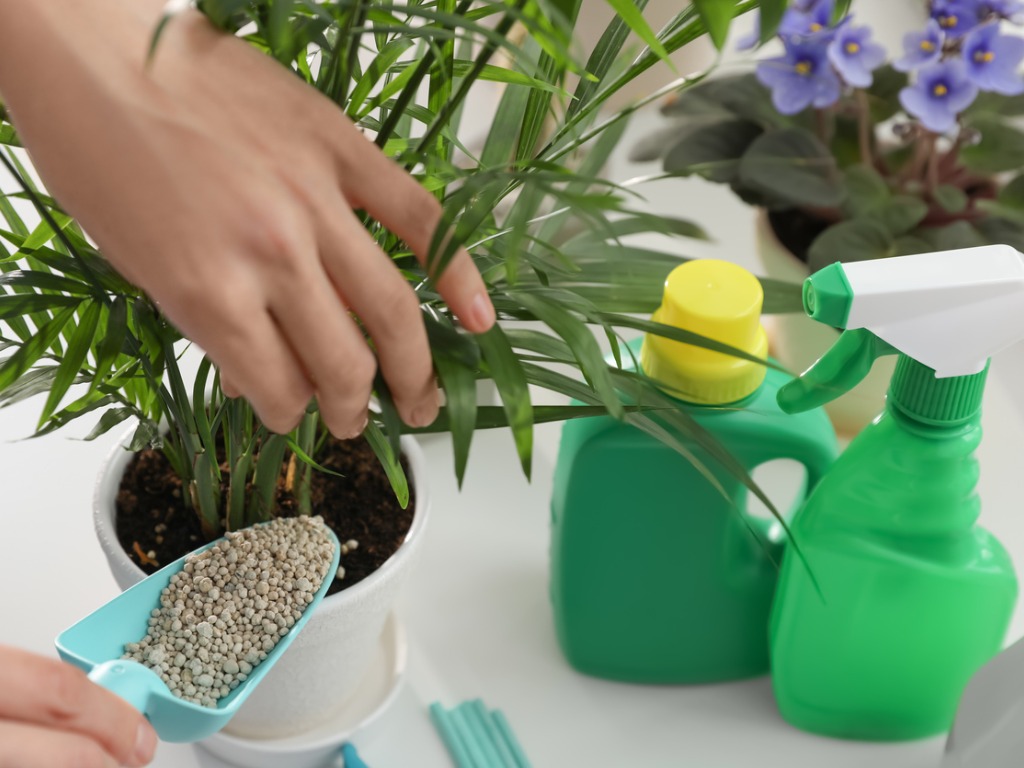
911 595
655 574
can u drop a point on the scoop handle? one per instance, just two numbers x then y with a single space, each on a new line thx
130 680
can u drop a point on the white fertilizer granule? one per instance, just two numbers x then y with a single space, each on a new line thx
227 608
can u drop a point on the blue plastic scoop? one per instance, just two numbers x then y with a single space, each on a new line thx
96 644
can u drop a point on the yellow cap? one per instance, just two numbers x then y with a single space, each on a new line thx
721 301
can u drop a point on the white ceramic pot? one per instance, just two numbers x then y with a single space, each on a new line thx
326 663
796 340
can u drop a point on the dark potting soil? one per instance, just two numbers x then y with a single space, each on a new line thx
796 230
155 527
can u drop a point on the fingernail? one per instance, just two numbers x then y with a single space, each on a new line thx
145 743
481 312
424 415
358 432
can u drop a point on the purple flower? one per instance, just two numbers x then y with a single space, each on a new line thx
992 60
854 55
807 18
921 48
942 91
800 78
956 17
1004 9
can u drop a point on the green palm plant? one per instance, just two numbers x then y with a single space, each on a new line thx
402 72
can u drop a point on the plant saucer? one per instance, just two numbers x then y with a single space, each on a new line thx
312 749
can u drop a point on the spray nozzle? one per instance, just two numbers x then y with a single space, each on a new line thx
947 312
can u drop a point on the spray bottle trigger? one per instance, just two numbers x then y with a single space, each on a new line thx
836 372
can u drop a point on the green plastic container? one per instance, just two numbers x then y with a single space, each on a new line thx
656 577
914 596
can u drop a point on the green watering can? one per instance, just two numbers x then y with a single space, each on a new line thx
96 643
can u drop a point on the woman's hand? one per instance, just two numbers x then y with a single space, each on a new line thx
224 186
52 716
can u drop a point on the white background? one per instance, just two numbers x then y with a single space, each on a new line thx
477 613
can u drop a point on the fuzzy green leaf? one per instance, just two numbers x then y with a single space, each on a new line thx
792 166
854 240
950 198
713 151
1001 147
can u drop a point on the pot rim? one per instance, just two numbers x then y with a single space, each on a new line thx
104 512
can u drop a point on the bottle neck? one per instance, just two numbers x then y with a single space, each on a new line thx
918 396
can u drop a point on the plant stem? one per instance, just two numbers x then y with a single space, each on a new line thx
306 439
931 169
864 129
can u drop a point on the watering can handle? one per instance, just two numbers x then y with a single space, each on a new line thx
130 680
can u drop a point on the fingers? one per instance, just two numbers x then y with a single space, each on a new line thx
44 696
332 350
30 746
388 307
255 360
398 202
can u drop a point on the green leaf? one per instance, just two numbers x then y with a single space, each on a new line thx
713 151
988 103
44 233
950 198
494 416
459 383
883 93
13 367
866 190
900 214
792 166
717 16
1012 194
740 95
19 304
1002 231
44 281
146 434
1001 147
854 240
389 461
628 11
771 13
510 379
264 479
959 234
74 356
109 420
581 341
114 335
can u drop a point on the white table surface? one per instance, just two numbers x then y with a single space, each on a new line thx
477 612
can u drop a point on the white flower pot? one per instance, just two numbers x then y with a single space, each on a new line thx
796 340
325 664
